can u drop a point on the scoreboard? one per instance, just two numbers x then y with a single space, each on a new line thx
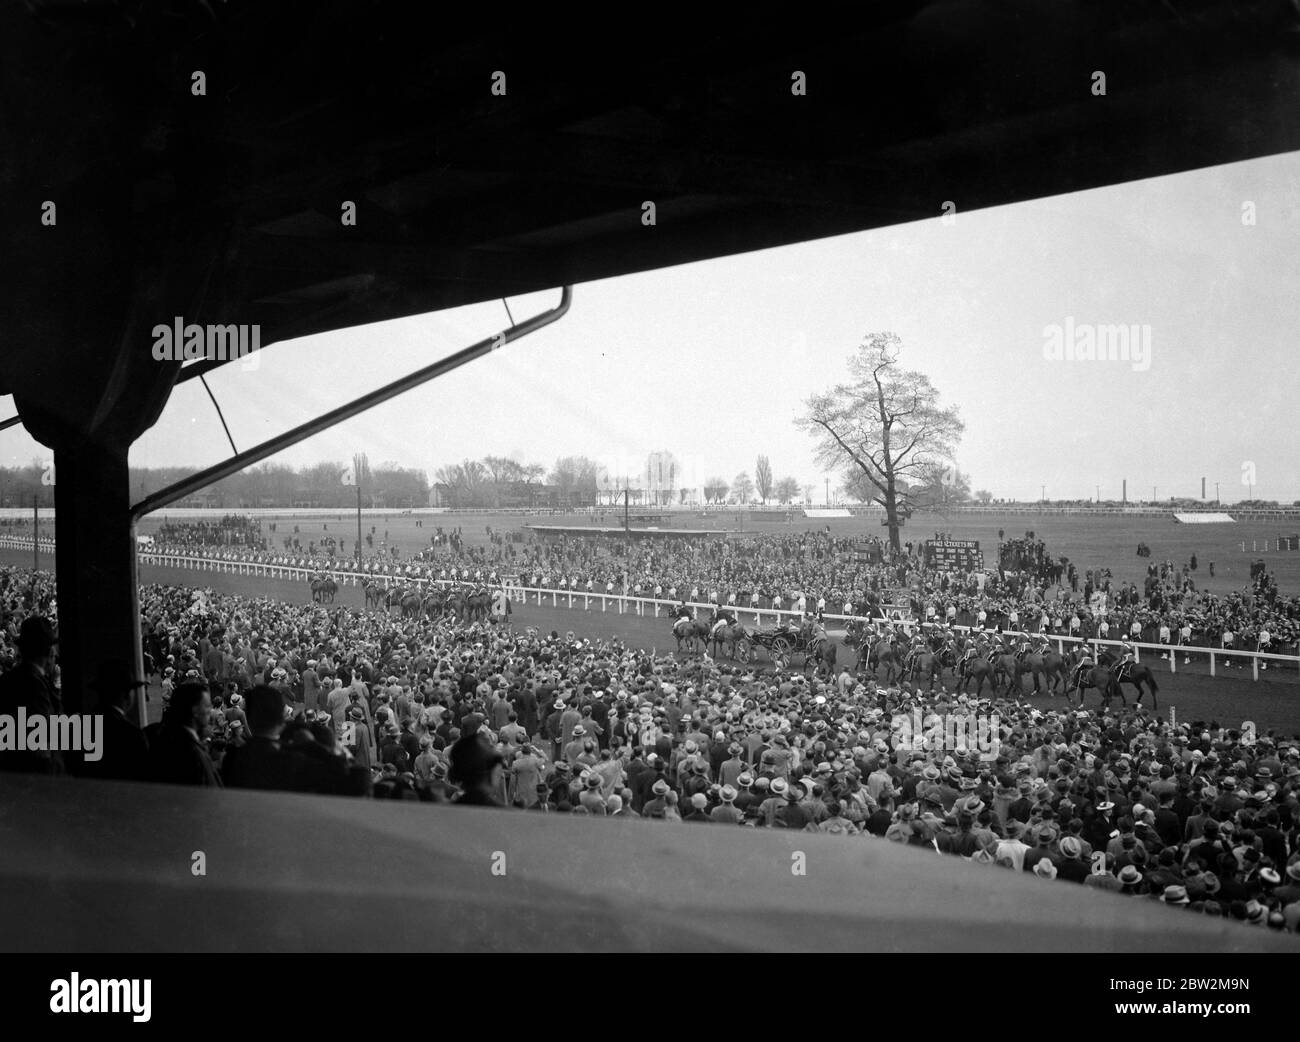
954 553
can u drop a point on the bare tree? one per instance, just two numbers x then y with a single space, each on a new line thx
715 490
884 424
763 478
984 496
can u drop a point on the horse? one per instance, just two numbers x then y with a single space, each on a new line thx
323 590
1136 674
979 669
374 594
1099 677
690 631
877 651
1007 665
823 652
455 603
930 664
882 652
858 636
433 604
477 604
733 634
411 604
1050 665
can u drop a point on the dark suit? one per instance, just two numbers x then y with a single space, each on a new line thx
125 751
24 687
259 764
525 702
177 757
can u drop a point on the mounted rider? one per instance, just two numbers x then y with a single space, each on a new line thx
974 648
1086 662
721 617
945 644
1127 659
814 627
682 614
1031 643
915 647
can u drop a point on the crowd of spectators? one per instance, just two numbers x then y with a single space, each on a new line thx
1028 590
231 530
271 695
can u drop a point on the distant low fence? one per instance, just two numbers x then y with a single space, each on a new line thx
11 542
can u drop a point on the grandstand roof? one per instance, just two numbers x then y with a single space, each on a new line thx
229 204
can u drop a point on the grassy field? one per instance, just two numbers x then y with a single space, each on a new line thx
1091 542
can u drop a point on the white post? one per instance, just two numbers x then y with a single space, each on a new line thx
1212 673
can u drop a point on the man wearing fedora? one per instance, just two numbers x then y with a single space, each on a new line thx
125 752
29 685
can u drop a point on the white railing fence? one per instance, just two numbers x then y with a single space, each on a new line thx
629 604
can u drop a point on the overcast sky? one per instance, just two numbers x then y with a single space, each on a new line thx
713 361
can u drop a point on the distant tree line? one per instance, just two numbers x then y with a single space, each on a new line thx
280 485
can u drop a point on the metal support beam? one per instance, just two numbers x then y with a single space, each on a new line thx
270 447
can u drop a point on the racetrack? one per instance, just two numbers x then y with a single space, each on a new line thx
1226 700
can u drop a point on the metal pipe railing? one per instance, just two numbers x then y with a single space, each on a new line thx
270 447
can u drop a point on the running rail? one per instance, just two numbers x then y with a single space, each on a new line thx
345 412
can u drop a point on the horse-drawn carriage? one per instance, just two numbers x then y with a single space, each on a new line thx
779 644
783 644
